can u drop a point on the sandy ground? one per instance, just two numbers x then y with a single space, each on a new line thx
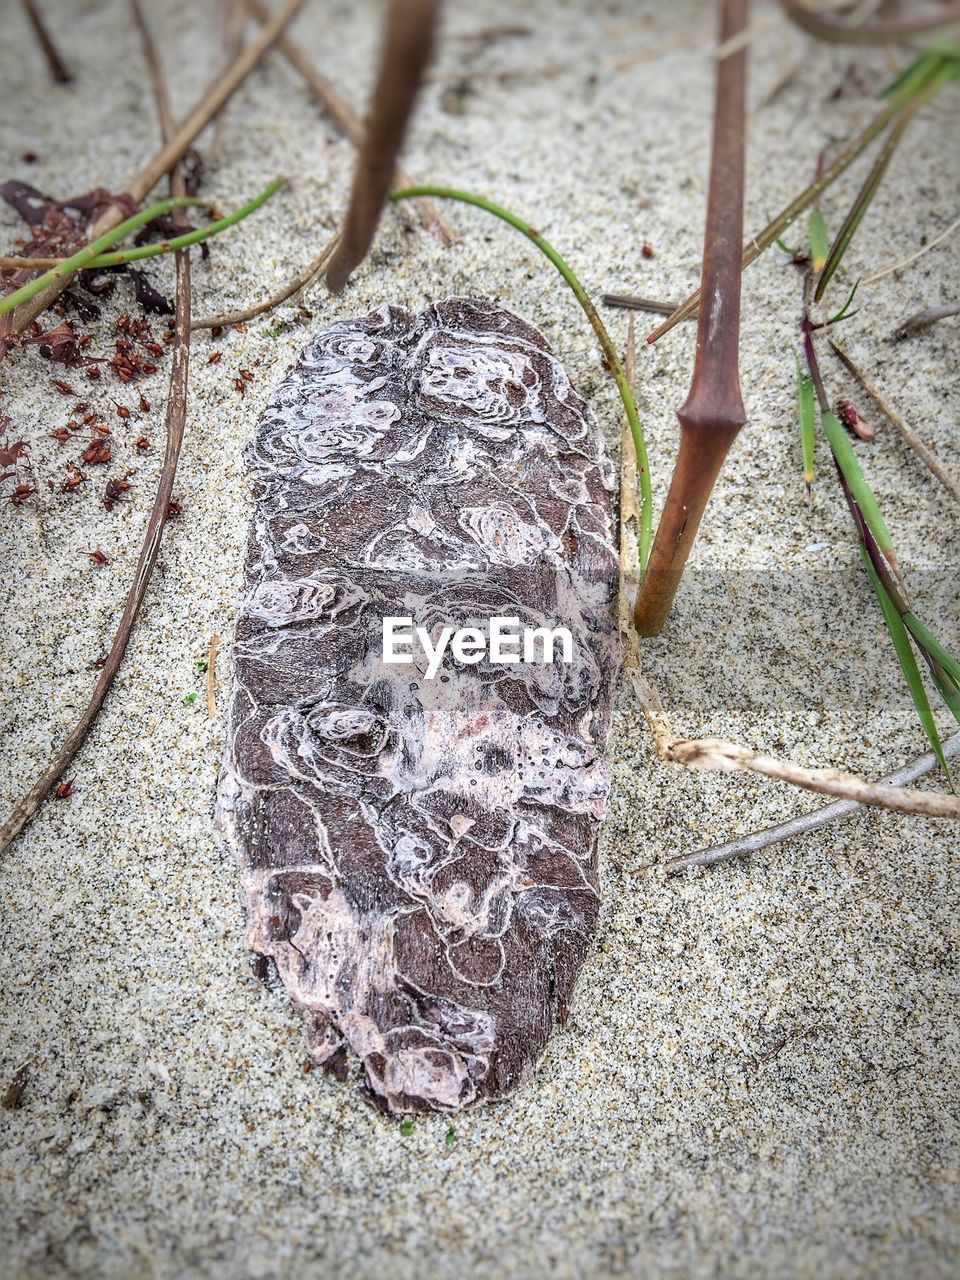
759 1074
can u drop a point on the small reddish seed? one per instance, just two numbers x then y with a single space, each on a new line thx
74 479
97 452
98 557
143 444
214 357
144 404
63 790
93 373
647 251
123 411
173 508
64 388
62 434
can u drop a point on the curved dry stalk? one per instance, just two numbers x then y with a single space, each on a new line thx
729 757
27 806
407 48
907 434
807 822
212 101
299 281
713 412
58 68
348 120
824 26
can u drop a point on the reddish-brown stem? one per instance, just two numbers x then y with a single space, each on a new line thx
407 46
348 120
58 68
713 412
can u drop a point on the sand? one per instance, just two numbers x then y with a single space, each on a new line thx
758 1076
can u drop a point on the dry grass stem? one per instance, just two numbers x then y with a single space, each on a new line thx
807 822
729 757
923 319
27 806
299 282
58 68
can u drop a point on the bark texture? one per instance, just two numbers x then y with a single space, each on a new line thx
419 856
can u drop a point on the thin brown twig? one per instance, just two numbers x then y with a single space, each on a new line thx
407 47
27 806
212 676
348 120
907 434
58 68
299 281
713 412
807 822
212 101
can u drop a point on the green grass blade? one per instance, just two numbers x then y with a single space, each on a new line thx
137 254
845 313
848 463
918 72
908 664
927 640
805 412
88 255
819 241
610 353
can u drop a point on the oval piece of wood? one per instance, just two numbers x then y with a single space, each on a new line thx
419 855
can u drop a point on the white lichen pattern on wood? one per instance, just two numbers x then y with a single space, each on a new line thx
419 856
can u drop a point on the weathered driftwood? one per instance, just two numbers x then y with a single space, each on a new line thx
419 856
